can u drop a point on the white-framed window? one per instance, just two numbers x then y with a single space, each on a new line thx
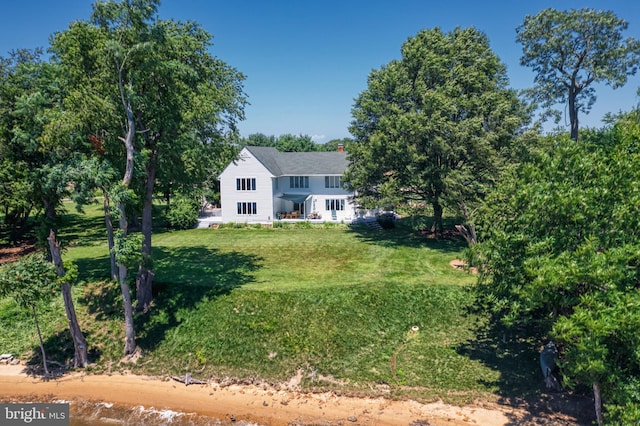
334 204
247 208
298 181
333 181
245 184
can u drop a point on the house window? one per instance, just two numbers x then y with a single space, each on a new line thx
298 181
247 208
333 181
334 204
246 184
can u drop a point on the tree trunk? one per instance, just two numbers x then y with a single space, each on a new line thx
49 221
109 225
130 342
44 355
467 231
129 330
573 112
437 217
598 403
144 280
80 357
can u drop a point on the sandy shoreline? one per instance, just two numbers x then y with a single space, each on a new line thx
258 404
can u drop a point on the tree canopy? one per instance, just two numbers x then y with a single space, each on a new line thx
571 50
433 127
292 143
560 246
123 93
30 282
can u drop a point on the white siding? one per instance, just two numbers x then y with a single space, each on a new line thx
347 215
317 200
246 167
269 190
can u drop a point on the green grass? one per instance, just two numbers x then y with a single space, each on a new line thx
265 303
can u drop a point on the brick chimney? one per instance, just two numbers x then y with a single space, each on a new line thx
340 147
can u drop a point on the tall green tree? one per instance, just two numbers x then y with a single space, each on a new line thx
433 127
184 102
100 99
80 53
169 114
41 144
17 196
560 249
570 51
194 103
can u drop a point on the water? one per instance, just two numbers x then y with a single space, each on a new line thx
89 413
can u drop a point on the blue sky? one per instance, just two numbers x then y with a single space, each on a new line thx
305 61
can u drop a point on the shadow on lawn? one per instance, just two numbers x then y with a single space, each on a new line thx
185 277
520 383
408 232
93 268
82 230
60 352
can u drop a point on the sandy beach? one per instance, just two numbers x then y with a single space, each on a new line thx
256 404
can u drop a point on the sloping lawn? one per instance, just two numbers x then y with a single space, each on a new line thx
350 309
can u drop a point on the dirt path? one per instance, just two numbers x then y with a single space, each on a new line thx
258 404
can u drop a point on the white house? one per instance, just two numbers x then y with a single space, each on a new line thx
264 185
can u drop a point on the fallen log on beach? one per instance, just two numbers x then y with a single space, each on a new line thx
188 380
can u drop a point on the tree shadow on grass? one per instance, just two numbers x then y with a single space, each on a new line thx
521 385
60 352
93 268
411 232
186 276
183 278
82 230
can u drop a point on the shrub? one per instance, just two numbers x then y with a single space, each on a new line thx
182 213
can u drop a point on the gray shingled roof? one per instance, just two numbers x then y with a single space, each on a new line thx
300 163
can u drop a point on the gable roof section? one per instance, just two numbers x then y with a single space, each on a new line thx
267 156
300 163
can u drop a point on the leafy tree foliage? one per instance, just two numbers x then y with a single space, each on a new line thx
332 145
283 143
163 110
560 244
571 50
291 143
183 212
433 127
29 92
259 139
40 142
30 281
